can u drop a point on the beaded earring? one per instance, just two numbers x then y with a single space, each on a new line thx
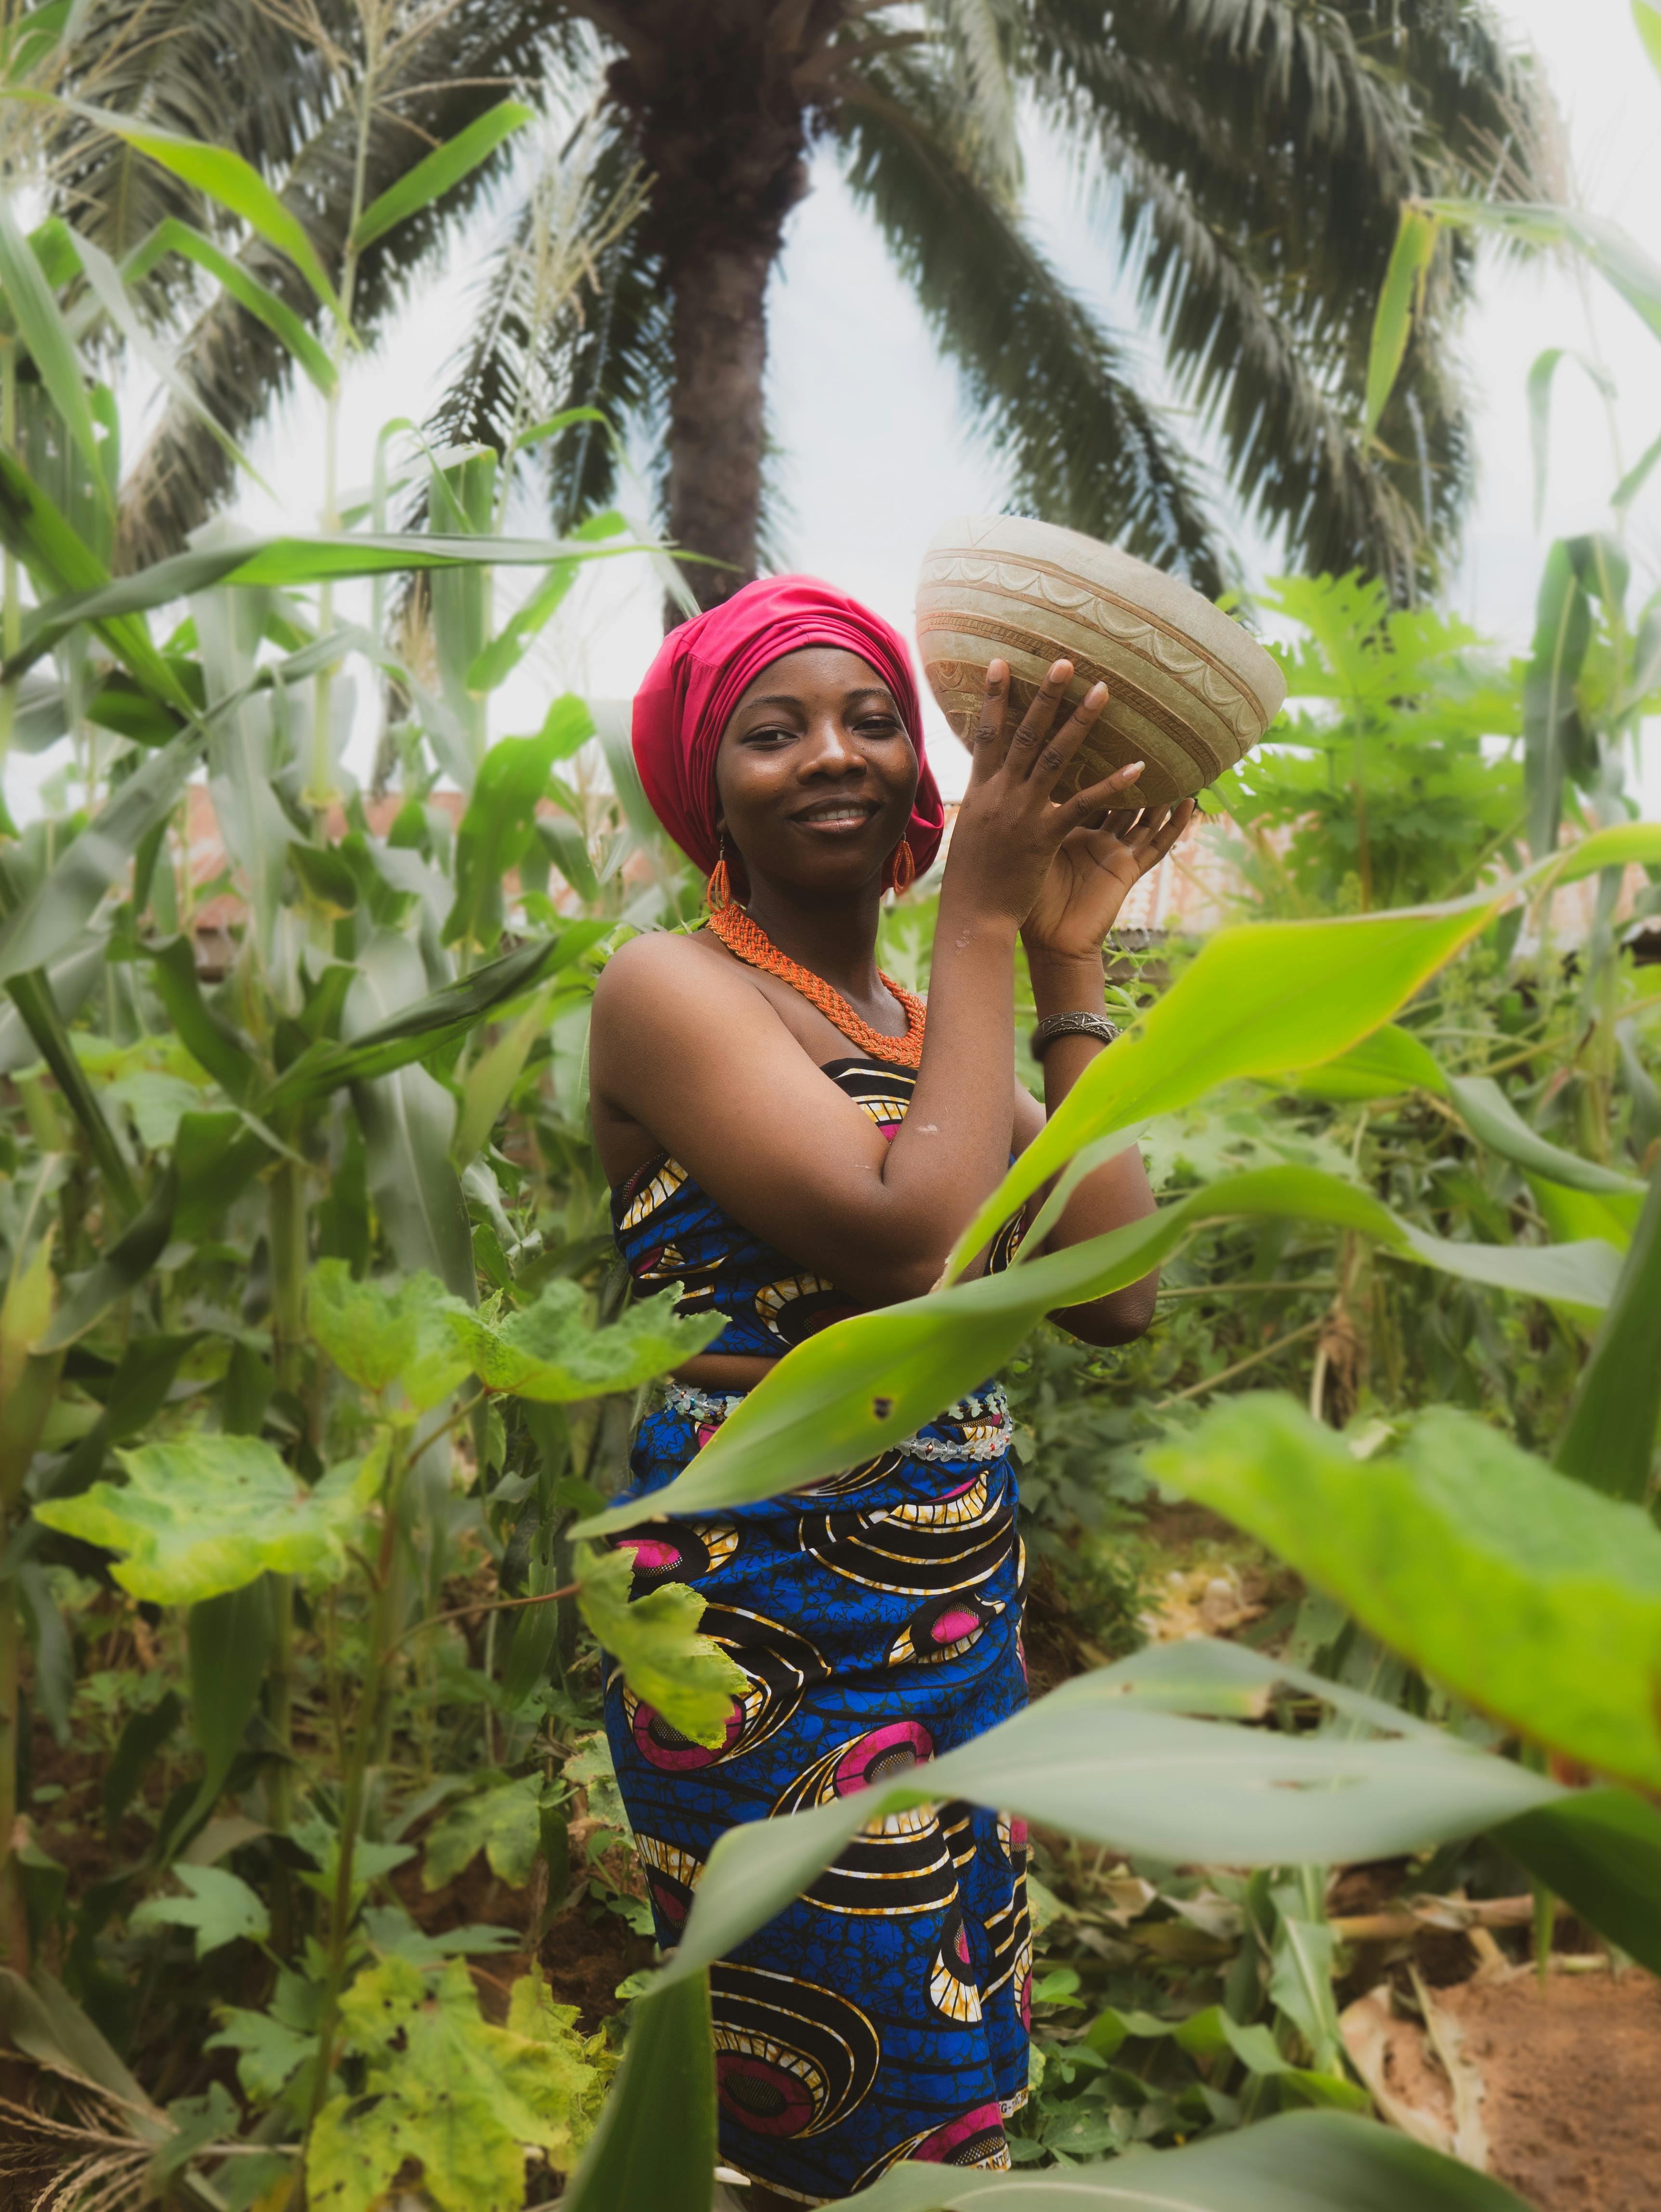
903 869
718 891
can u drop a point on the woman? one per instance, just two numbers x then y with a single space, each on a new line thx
784 1140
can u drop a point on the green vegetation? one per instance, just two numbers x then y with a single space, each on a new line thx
316 1380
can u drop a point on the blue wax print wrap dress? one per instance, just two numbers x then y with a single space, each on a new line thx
884 2015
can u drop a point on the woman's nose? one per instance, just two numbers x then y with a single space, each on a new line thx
831 751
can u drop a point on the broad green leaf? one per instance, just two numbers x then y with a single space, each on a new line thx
865 1384
1600 1850
379 1332
440 2086
1610 1437
686 1677
1295 2162
40 324
1263 998
550 1353
172 236
1494 1121
1529 1595
1392 322
217 1904
654 2148
503 1822
437 173
1272 999
223 176
201 1515
1114 1757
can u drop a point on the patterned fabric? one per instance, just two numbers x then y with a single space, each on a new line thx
877 1617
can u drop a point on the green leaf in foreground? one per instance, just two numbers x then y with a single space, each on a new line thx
1118 1757
1533 1597
865 1384
377 1333
201 1515
443 2087
1296 2162
654 2147
217 1904
686 1677
550 1352
1600 1850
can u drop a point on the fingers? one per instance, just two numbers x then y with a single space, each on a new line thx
1108 797
1038 752
988 747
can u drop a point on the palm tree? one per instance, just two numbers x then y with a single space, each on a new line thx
1247 161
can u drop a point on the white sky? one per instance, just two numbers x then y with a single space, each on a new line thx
880 451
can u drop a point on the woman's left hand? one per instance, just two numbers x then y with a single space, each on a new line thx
1092 876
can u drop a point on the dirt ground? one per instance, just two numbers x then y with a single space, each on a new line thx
1563 2082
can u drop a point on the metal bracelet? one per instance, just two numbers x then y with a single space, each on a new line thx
1059 1026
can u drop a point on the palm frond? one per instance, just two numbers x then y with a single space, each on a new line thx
1050 391
1255 154
467 57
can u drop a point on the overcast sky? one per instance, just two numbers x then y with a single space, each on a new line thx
880 451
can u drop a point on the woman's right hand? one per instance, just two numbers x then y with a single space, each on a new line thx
1010 825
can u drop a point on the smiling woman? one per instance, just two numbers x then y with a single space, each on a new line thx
790 1138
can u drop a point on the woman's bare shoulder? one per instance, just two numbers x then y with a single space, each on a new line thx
662 974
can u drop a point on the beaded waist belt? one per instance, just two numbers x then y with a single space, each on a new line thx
984 1418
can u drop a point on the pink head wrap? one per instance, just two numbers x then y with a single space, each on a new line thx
703 669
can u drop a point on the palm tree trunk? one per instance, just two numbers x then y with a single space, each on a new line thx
717 95
717 410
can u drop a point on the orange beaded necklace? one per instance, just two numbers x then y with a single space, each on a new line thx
753 945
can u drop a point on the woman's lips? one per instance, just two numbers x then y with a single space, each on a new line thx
843 820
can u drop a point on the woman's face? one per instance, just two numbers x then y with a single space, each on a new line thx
815 774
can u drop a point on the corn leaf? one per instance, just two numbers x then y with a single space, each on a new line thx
1610 1436
654 2147
1118 1758
41 326
440 170
1392 321
1531 1597
172 236
1295 2162
863 1385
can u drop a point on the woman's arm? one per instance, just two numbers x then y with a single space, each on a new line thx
687 1046
1093 872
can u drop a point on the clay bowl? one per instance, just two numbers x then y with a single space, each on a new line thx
1190 691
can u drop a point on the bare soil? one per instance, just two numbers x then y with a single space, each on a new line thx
1572 2074
1566 2083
